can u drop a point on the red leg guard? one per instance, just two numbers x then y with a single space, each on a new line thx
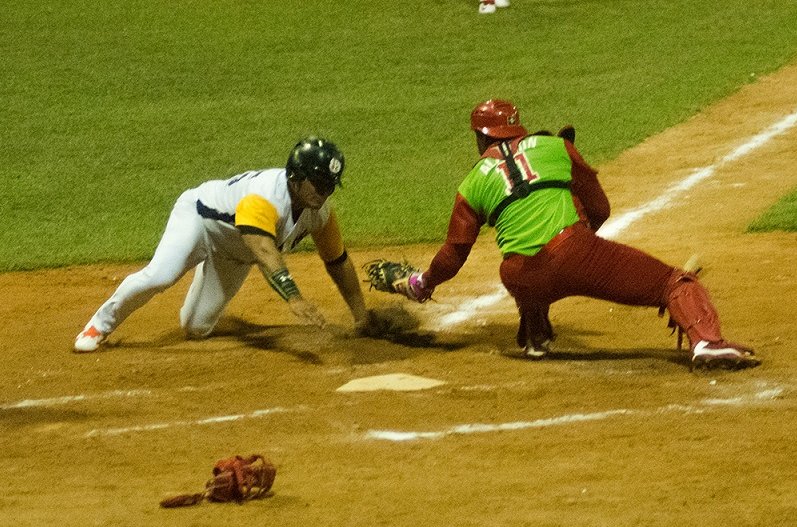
691 308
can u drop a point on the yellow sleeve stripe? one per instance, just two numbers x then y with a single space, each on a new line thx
328 240
256 211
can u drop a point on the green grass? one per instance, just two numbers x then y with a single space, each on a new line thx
110 109
782 216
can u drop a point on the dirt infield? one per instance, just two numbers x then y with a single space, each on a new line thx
612 430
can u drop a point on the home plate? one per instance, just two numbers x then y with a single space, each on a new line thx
400 382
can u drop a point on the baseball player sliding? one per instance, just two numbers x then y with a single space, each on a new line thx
223 227
546 203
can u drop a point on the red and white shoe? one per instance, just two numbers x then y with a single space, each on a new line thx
89 339
487 7
723 354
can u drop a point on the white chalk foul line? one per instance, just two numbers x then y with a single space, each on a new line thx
480 428
470 308
199 422
613 227
55 401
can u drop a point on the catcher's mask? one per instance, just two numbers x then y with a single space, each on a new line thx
318 161
497 118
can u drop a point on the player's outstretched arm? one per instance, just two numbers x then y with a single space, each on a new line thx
345 277
273 267
329 244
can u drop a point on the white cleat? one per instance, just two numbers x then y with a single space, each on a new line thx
486 8
89 340
537 351
501 3
723 354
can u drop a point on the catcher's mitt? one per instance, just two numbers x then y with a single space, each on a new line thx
397 277
234 479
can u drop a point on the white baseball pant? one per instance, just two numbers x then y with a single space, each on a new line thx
185 245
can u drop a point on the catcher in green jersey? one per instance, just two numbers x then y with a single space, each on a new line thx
546 203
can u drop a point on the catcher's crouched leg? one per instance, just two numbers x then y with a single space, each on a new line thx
535 332
692 311
691 308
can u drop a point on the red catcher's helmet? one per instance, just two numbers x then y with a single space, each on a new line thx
497 118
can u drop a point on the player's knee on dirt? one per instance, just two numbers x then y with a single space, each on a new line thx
194 326
197 331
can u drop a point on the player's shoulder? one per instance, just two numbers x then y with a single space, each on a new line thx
484 166
269 183
540 140
268 175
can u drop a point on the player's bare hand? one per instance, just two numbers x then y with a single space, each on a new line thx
306 312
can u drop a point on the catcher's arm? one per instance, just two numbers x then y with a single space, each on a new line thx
568 132
594 204
403 278
271 264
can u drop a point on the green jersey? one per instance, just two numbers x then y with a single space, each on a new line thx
528 223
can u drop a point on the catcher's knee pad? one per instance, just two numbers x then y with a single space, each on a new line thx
691 308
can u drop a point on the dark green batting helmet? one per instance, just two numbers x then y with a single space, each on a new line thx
317 160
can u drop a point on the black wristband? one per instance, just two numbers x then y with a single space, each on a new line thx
339 260
282 282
